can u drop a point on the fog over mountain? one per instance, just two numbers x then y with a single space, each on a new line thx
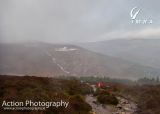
43 59
141 51
26 24
61 21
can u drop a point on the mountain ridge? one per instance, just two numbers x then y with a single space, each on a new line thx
51 60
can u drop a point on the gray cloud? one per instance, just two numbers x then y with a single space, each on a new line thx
75 20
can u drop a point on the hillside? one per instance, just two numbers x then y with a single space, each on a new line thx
141 51
44 59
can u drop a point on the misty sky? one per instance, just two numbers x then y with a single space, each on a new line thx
60 21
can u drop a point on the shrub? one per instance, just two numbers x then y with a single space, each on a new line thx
79 104
101 92
107 99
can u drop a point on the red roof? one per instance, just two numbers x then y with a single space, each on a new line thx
100 84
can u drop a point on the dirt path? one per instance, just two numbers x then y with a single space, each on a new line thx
125 106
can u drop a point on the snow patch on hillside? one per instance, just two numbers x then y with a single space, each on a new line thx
65 49
60 66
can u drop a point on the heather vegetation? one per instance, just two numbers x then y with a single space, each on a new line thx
74 90
107 99
147 97
45 89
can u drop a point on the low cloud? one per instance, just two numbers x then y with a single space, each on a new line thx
147 33
74 20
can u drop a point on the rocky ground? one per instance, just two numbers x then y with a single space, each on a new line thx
125 106
96 107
